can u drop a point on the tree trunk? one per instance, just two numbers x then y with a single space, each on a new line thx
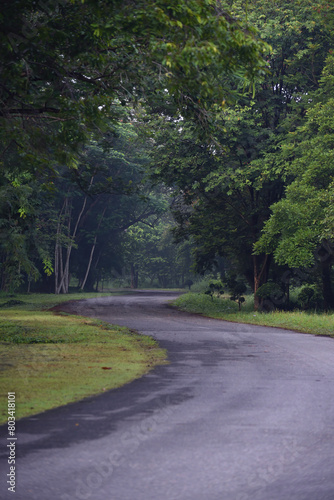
134 276
326 267
58 256
92 251
63 283
261 269
60 271
89 263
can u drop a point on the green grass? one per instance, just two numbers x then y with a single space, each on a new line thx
223 308
51 359
38 301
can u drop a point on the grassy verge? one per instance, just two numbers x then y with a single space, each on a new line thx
223 308
50 359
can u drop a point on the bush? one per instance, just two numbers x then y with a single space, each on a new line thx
215 287
203 304
188 283
272 296
202 284
269 290
309 297
237 289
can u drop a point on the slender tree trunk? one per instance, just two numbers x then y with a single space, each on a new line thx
89 264
59 267
65 278
134 276
97 260
92 250
62 271
56 266
59 270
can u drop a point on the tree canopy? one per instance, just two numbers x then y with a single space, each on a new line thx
230 182
113 110
66 65
72 71
300 229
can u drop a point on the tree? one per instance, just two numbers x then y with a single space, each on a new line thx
25 211
300 229
104 197
152 257
66 66
230 182
68 226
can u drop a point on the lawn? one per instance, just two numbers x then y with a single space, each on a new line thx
224 308
50 359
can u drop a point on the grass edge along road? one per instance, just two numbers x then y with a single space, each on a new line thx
225 309
51 359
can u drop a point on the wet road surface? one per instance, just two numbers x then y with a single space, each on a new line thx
240 413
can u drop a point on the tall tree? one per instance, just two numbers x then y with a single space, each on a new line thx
230 182
300 229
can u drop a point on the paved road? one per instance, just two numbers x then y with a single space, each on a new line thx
240 413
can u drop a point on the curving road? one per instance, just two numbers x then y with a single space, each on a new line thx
240 413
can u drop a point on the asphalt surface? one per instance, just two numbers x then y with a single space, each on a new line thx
240 413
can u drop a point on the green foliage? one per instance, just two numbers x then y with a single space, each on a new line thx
269 290
302 219
300 229
271 296
94 92
229 185
237 289
215 288
203 304
151 257
315 324
66 66
72 74
309 298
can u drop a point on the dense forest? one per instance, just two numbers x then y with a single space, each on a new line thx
144 143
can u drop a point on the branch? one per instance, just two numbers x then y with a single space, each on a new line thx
29 111
140 218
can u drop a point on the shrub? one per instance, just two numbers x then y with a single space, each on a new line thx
309 297
188 283
237 289
272 296
215 287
